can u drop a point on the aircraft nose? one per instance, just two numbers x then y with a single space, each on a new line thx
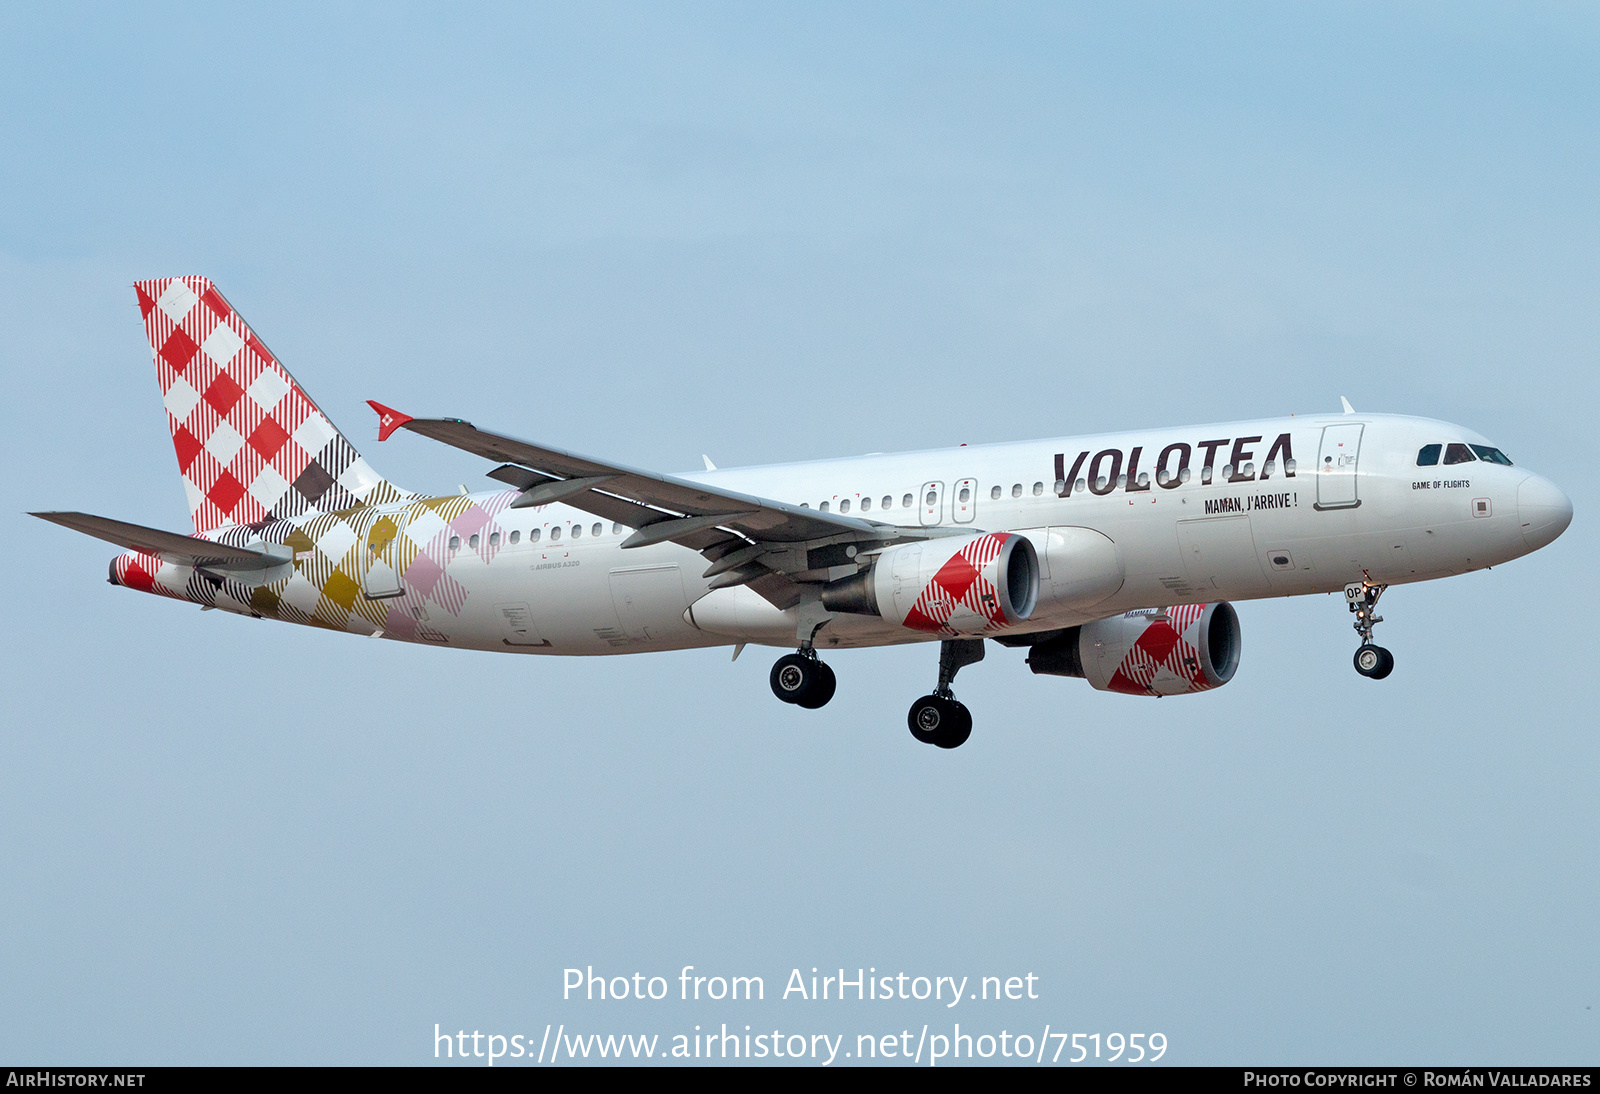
1543 510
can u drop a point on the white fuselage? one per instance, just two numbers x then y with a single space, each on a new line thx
1343 500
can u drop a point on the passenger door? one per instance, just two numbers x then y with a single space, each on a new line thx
382 577
1336 467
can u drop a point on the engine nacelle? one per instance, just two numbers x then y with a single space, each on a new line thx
972 585
1162 651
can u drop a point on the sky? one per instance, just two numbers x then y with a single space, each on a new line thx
771 233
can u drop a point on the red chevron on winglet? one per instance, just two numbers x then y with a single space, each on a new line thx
389 419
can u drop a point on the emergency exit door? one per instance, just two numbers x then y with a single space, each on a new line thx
932 499
964 505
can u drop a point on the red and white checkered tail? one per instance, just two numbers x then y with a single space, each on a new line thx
251 444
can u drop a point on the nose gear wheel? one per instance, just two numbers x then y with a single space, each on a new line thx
1374 662
1371 661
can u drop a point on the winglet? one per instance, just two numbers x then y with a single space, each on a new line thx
1348 409
389 419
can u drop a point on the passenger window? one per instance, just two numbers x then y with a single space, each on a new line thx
1458 453
1061 487
516 537
1428 455
994 495
931 498
473 543
1080 485
616 529
805 505
494 539
1016 490
555 534
455 543
965 495
533 536
597 529
823 508
888 502
844 506
866 505
1038 489
905 502
1491 455
577 531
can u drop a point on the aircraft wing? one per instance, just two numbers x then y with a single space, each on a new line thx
750 540
170 546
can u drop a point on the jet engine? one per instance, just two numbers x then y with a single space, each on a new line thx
1162 651
971 585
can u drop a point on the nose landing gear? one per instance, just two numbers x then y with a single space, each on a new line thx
941 719
802 679
1372 661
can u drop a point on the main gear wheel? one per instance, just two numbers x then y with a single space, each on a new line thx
802 679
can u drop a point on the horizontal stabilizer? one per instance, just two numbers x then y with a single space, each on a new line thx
171 547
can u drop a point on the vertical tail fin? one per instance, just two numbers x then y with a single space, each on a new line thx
251 444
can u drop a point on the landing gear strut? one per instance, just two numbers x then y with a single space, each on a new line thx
1372 661
940 719
802 679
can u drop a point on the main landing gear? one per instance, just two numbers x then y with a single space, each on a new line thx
941 719
938 719
802 679
1372 661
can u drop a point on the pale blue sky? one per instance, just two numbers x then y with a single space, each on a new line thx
767 234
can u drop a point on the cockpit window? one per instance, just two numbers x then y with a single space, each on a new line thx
1491 455
1428 456
1458 453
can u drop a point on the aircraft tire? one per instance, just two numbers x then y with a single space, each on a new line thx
934 720
1374 662
958 729
793 677
821 689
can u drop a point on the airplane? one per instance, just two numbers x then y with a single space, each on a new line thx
1113 558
